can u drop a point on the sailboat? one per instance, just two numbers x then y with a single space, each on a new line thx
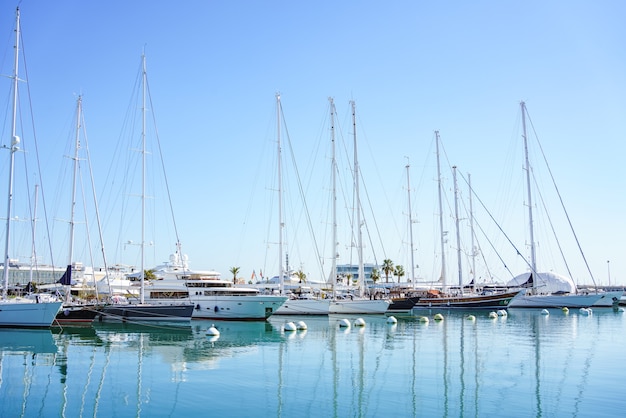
536 296
295 304
71 312
443 300
165 311
20 311
359 303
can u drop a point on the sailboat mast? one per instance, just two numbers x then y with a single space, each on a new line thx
458 235
443 252
143 175
469 181
533 259
15 142
280 199
408 187
33 254
361 272
73 204
333 271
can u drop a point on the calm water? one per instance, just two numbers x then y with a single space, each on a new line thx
526 364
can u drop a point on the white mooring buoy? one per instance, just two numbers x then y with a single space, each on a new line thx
344 323
359 322
212 331
289 326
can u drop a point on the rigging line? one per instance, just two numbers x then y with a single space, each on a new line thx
487 237
95 201
501 230
558 242
30 104
472 252
562 203
158 141
300 188
369 236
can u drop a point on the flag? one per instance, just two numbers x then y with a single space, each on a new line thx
66 279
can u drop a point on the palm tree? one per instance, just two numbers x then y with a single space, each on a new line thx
235 271
149 275
399 272
301 276
387 268
375 275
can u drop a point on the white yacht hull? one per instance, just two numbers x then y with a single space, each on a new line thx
359 306
304 307
27 313
225 307
608 299
554 301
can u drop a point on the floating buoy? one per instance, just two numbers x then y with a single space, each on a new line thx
212 331
493 314
359 322
545 312
585 311
423 319
289 326
392 320
620 310
565 309
470 317
502 312
301 325
344 323
438 317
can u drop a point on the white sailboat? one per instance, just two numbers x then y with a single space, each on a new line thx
167 310
538 296
306 304
359 303
19 311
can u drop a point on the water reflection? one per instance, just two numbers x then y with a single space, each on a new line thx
533 364
32 341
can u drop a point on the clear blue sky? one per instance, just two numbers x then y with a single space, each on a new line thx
412 67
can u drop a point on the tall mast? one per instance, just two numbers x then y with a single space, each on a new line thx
280 200
33 254
73 205
443 252
15 142
408 186
361 272
469 181
143 174
333 271
458 235
533 259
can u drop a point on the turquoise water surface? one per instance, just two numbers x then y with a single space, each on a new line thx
523 365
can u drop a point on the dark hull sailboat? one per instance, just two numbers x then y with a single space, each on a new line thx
145 312
490 301
77 314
